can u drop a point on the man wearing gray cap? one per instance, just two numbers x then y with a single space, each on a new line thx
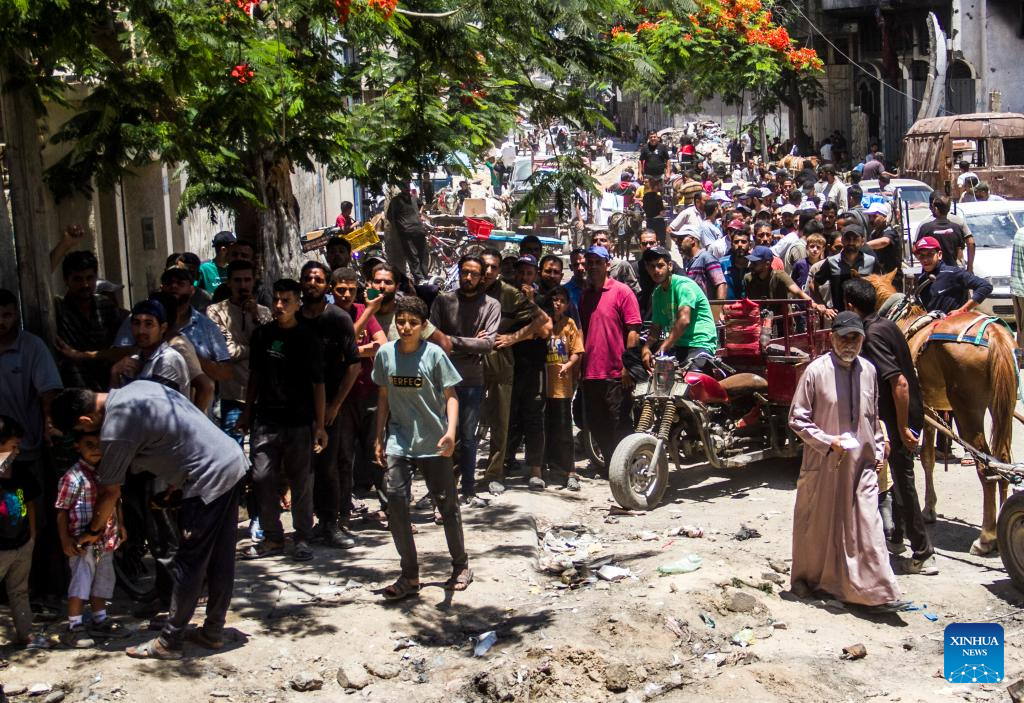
838 540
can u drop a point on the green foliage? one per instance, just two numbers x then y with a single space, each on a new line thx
566 183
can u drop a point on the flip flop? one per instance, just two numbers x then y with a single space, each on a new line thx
968 460
460 580
153 650
402 588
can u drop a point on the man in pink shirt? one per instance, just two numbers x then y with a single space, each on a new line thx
611 324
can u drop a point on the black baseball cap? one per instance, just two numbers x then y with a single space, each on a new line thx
847 322
658 252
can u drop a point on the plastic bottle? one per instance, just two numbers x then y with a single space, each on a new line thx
766 330
689 563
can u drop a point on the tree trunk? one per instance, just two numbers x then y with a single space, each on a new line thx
30 208
275 227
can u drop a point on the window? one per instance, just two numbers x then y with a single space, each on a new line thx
1013 152
148 234
970 150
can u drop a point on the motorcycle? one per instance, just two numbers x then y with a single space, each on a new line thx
688 415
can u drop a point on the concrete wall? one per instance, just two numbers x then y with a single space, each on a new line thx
1005 69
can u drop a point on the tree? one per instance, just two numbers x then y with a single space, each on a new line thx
239 93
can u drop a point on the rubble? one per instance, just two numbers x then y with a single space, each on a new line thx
353 676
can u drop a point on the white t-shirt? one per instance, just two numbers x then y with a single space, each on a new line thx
964 176
689 216
508 154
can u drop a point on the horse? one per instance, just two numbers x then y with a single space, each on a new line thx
794 164
625 227
967 378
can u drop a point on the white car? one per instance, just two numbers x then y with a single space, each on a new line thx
914 193
993 225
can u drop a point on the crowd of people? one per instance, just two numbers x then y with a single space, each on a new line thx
222 388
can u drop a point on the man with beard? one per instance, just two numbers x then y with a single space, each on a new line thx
205 336
847 264
86 321
333 327
285 407
521 320
213 272
381 296
550 279
468 322
154 360
338 253
763 282
245 250
357 412
575 286
237 318
703 268
884 241
835 413
734 266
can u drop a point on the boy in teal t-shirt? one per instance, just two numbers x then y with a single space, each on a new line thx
679 309
417 412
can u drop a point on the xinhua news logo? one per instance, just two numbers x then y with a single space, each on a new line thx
974 653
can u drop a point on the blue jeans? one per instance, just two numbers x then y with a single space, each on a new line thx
230 410
470 399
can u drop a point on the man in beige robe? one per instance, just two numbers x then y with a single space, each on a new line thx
838 540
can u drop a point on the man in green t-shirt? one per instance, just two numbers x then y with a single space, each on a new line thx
680 310
215 271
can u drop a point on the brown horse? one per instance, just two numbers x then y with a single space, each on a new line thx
796 163
967 379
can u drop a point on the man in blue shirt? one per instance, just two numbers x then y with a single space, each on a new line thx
952 289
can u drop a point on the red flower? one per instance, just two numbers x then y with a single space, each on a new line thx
242 73
385 7
617 30
343 8
644 26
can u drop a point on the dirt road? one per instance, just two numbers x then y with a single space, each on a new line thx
645 637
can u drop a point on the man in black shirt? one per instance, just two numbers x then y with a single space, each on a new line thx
286 394
883 240
655 162
332 499
404 215
841 267
899 407
950 235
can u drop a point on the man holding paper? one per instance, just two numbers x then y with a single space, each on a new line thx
838 541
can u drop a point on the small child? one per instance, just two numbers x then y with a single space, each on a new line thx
565 349
92 566
18 491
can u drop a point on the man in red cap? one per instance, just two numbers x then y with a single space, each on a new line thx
952 289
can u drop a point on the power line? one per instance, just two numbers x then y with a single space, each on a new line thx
852 62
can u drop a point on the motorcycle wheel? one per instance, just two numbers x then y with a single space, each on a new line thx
1010 533
636 485
593 449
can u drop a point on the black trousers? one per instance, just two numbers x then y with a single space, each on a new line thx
907 517
526 416
332 477
558 434
206 554
609 413
415 246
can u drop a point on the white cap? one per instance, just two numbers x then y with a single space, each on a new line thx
877 208
687 231
808 205
788 209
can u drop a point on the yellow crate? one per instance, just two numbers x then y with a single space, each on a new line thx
363 237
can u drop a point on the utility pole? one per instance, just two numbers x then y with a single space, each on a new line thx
30 207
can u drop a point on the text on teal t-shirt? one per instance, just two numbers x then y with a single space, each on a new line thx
415 384
665 304
211 276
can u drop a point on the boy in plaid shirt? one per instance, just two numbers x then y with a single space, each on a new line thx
92 567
